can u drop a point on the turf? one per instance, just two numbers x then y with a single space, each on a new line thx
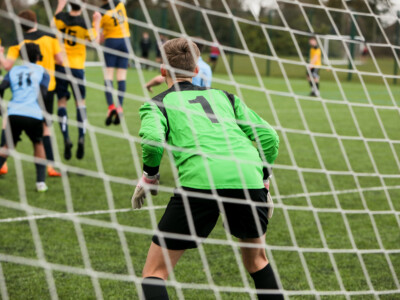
293 232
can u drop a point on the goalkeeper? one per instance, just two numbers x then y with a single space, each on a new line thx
212 133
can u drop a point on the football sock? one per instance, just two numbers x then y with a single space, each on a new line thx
317 84
310 82
109 96
47 148
3 138
62 113
40 172
265 279
81 117
2 161
151 291
121 90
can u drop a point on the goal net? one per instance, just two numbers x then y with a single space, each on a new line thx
336 182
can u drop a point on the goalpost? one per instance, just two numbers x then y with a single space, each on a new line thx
336 182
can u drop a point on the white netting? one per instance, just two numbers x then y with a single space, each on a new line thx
336 184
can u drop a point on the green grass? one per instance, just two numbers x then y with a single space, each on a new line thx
62 247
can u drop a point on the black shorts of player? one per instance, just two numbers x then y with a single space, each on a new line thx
314 72
240 221
77 85
213 58
32 127
114 60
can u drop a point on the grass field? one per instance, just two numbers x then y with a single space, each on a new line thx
303 126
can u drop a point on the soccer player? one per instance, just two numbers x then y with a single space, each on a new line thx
75 31
315 64
24 112
115 32
202 79
214 55
51 51
211 132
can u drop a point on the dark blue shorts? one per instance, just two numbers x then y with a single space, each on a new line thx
112 59
76 83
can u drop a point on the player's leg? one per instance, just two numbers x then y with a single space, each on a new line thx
121 78
316 81
111 64
249 224
79 91
155 271
122 64
48 148
256 263
63 96
3 166
203 216
108 82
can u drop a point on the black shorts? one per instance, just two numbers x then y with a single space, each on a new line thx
112 59
314 73
240 220
76 84
32 127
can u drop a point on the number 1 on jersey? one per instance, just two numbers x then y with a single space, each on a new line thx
206 107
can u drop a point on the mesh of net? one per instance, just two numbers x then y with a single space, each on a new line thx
284 195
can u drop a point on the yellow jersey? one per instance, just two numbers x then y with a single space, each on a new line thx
49 47
114 21
315 51
75 31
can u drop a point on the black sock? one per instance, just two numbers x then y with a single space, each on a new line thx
62 113
121 90
265 279
109 96
317 84
47 148
154 291
2 161
3 138
81 118
40 172
310 82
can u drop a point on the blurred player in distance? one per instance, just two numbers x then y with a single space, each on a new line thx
145 46
163 40
214 55
202 79
75 31
115 33
185 116
26 82
314 67
51 51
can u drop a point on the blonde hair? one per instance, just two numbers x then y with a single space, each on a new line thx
181 54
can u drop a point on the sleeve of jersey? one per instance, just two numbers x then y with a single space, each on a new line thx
91 34
257 129
152 131
56 46
13 52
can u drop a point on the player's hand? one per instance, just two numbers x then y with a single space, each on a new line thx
269 200
96 17
145 183
1 50
149 88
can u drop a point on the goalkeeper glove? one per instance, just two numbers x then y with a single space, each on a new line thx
139 195
269 200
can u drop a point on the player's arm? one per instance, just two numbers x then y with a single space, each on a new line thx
58 56
12 55
154 82
5 84
258 130
152 131
94 34
44 84
60 6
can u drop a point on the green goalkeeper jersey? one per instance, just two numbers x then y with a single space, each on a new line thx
210 134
